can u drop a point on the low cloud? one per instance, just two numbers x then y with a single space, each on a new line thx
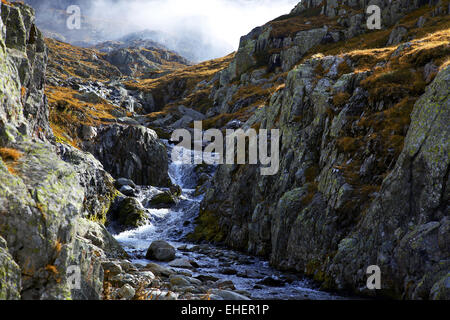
218 23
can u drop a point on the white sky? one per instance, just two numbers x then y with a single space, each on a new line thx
218 20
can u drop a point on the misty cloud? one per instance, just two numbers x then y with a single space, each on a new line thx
226 20
200 29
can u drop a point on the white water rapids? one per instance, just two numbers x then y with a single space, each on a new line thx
172 225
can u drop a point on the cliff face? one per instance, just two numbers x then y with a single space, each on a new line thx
363 177
43 199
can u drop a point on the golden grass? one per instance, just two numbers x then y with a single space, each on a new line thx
361 48
340 99
181 82
10 157
66 61
67 113
8 154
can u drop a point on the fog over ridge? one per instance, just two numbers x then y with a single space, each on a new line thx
212 28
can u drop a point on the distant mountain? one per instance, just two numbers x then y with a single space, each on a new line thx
190 45
51 18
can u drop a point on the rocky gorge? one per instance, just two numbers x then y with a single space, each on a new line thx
86 179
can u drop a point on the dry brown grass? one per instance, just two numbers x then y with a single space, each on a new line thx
67 113
289 25
52 269
182 81
344 68
66 61
341 98
8 154
11 158
361 48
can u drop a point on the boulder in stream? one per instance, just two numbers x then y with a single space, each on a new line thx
161 251
127 213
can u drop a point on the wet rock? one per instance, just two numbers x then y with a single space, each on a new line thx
122 182
225 284
271 282
128 191
161 251
179 281
181 263
164 199
159 270
205 278
253 274
127 266
228 271
128 213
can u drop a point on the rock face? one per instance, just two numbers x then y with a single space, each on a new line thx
277 45
363 176
27 51
416 191
305 217
44 199
132 152
10 275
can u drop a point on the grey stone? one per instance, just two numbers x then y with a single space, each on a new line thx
161 251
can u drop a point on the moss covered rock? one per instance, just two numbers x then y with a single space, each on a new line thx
10 274
129 214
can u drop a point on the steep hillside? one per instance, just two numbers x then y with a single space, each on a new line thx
43 199
364 167
54 198
85 86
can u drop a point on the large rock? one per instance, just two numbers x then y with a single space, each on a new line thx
132 152
27 51
127 213
161 251
10 274
406 229
98 184
43 199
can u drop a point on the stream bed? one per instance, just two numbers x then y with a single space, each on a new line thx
247 273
